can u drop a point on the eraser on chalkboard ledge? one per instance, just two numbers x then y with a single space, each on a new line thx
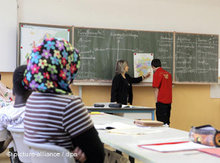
99 105
115 105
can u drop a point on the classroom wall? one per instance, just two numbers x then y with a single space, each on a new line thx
8 27
192 105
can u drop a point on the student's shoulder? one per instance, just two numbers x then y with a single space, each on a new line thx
167 72
72 98
5 109
117 77
127 75
161 71
59 97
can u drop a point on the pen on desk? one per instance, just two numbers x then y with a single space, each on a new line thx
109 128
106 128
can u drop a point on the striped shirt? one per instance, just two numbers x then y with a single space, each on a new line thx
55 119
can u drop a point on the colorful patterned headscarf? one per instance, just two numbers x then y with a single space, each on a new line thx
52 66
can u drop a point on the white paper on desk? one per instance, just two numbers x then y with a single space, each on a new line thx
119 125
116 125
100 127
133 131
173 146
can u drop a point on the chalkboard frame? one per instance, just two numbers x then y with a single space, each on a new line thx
21 24
108 82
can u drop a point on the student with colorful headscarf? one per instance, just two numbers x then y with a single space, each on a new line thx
53 114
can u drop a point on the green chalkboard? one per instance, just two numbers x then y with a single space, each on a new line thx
196 58
101 48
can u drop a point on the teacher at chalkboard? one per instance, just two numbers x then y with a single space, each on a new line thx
121 91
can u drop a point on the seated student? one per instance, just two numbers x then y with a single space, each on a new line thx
13 114
121 91
53 114
6 96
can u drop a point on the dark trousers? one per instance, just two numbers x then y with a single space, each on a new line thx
163 112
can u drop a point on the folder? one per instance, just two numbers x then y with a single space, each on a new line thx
173 146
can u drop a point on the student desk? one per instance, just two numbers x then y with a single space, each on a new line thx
127 143
133 109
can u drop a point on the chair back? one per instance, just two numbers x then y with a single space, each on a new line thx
19 146
46 153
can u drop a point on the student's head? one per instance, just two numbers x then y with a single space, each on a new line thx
52 66
121 67
155 63
18 76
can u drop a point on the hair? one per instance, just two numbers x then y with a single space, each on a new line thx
120 66
156 63
18 76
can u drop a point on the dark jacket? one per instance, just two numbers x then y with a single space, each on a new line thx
121 91
87 142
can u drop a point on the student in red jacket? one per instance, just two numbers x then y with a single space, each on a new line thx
162 82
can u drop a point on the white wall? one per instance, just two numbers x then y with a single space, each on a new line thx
8 27
196 16
193 16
